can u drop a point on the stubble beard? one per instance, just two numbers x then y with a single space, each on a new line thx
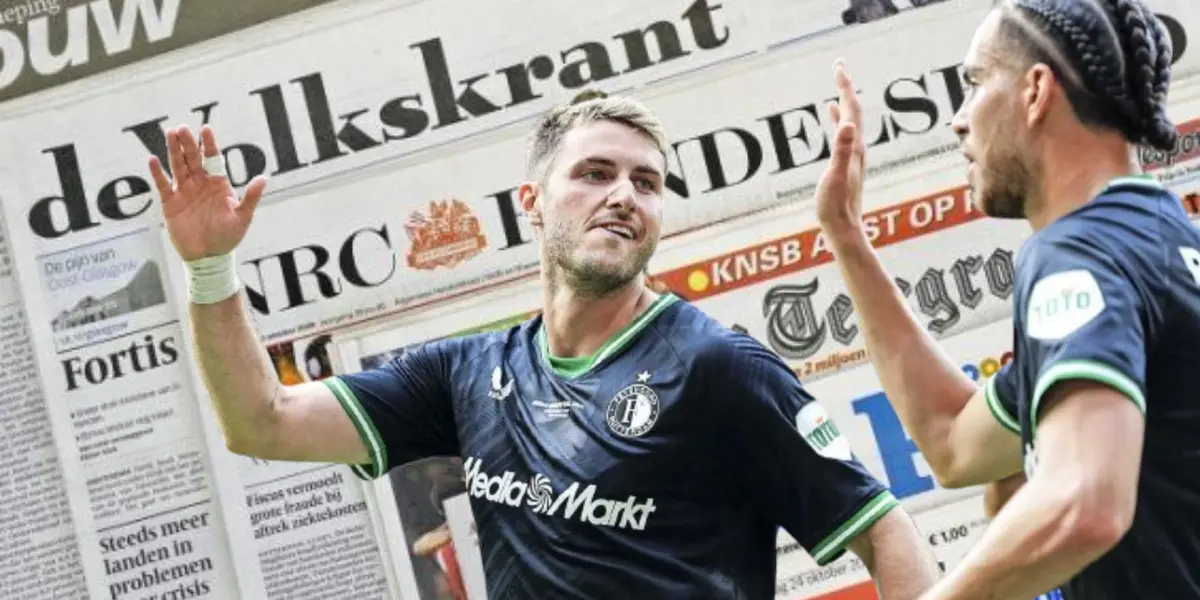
1007 192
588 278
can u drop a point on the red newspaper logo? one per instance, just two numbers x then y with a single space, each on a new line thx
446 237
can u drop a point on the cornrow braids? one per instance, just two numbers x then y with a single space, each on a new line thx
1146 46
1113 58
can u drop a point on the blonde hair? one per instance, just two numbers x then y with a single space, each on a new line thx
589 106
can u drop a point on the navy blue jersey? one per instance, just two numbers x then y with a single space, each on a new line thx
660 467
1111 293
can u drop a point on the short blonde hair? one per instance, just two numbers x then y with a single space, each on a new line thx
587 107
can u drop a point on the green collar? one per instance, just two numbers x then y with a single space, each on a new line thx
1142 180
572 367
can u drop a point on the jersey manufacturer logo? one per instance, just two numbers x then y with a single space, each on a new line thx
500 390
1062 303
576 502
822 433
448 236
634 410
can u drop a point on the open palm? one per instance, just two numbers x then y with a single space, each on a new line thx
203 215
839 191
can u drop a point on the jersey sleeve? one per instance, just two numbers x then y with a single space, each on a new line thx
402 410
1001 394
788 458
1085 317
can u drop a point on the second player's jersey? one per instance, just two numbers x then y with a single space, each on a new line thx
660 467
1111 293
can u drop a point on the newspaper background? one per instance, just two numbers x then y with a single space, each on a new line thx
86 145
109 346
125 32
39 558
407 234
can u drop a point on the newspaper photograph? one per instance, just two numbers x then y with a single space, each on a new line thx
103 291
429 561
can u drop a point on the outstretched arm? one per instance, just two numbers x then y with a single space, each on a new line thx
258 415
1086 414
887 551
1079 503
943 410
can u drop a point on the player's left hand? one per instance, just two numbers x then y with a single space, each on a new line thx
839 191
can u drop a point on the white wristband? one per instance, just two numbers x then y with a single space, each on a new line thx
212 279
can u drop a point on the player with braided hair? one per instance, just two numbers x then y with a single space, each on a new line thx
1097 411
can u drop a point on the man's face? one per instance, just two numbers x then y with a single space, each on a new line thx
601 206
992 127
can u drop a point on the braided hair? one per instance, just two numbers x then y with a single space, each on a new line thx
1113 58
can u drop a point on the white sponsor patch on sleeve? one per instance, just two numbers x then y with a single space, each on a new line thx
821 433
1062 303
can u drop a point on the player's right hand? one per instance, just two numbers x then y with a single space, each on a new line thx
203 215
839 191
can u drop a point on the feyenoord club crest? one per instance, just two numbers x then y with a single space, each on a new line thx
633 411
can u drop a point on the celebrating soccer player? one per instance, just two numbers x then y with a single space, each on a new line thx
1099 404
622 444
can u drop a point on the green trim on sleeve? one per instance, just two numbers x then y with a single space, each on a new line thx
998 410
366 429
832 546
1085 369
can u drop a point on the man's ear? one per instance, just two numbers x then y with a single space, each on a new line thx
531 195
1041 86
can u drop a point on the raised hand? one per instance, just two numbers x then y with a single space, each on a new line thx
204 216
839 191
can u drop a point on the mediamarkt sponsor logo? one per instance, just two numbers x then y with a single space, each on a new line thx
578 501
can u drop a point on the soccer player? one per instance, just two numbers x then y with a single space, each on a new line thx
1098 407
621 444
